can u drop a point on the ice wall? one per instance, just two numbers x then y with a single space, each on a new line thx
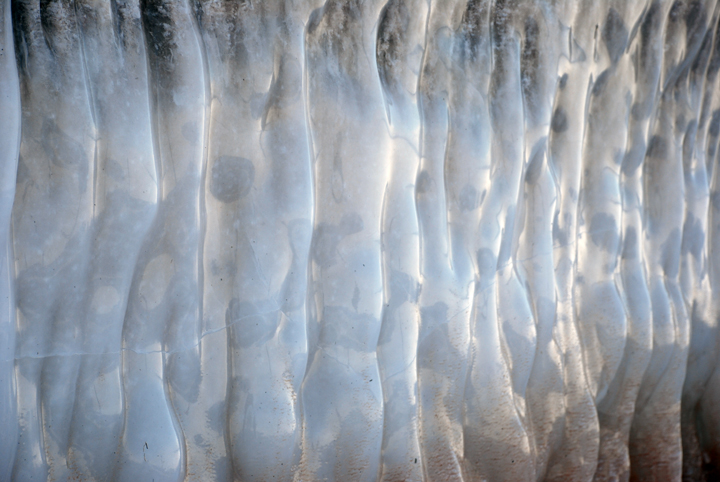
448 240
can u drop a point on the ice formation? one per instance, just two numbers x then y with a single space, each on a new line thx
358 240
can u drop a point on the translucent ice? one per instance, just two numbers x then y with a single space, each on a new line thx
447 240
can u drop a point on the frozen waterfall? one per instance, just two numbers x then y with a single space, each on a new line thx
359 240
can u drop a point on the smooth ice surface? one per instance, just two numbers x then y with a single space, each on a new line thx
358 240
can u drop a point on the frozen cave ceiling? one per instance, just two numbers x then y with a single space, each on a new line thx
396 240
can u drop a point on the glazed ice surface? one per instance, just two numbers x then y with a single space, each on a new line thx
359 240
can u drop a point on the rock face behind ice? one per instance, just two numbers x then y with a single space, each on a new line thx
358 240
